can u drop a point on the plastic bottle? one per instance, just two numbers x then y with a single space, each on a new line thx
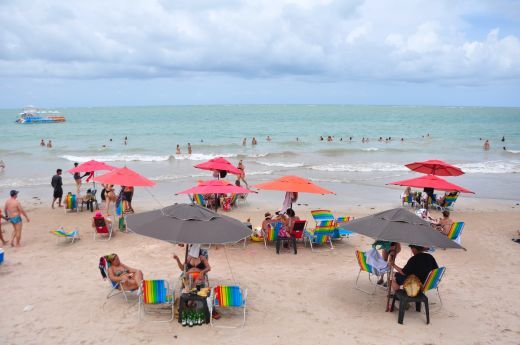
190 319
183 319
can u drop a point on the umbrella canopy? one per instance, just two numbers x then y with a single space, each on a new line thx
431 181
293 184
187 223
216 187
435 167
90 166
125 177
399 225
219 164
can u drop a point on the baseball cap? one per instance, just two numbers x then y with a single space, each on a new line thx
14 192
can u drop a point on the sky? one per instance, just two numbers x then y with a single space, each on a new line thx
168 52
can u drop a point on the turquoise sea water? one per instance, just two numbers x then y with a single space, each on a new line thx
153 133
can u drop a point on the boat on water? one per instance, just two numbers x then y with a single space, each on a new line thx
35 115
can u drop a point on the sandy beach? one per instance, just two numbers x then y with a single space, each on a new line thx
307 298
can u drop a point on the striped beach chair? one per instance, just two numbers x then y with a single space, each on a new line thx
227 297
272 233
71 203
322 215
456 231
340 233
68 236
158 296
449 201
433 280
199 200
408 200
321 234
364 267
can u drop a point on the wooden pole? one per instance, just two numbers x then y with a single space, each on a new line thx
391 259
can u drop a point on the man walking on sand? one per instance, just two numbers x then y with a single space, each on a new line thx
14 211
56 184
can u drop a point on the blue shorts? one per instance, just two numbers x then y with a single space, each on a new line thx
15 220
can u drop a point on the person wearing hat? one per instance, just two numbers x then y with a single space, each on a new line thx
266 223
14 211
420 265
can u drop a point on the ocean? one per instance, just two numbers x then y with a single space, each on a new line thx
346 165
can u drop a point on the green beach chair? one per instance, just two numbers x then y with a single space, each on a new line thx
157 296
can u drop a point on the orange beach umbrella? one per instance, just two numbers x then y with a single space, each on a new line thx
293 184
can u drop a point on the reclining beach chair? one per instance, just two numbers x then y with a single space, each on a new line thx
449 201
115 288
89 200
456 231
156 296
408 200
340 233
228 297
433 280
103 230
321 234
272 233
364 267
68 236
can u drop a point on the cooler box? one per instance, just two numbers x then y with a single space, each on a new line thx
1 256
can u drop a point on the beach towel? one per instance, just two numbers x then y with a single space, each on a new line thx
290 197
377 262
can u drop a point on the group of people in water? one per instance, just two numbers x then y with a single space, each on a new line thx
48 145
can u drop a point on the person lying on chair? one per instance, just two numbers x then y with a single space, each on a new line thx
129 278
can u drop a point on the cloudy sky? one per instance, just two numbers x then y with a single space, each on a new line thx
160 52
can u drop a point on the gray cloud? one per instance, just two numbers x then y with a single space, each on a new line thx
401 40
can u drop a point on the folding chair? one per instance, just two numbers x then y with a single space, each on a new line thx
298 229
364 267
320 235
456 231
156 295
340 233
71 203
199 200
115 288
102 229
66 235
433 280
227 297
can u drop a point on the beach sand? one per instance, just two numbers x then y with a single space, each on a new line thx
307 298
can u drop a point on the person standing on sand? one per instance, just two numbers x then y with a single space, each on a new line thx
77 178
242 176
14 211
189 148
57 184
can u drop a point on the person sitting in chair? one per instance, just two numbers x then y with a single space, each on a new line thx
99 220
129 278
197 265
420 265
444 224
291 219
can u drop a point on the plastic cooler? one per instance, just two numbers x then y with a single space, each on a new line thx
1 256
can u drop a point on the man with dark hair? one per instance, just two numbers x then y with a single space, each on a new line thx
57 184
420 265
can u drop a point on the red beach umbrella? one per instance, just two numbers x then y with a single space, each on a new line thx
435 167
432 181
216 187
125 177
293 184
221 164
91 166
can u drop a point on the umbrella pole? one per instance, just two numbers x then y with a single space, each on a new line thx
391 260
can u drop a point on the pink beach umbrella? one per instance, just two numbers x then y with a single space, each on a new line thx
91 166
216 187
435 167
219 164
432 181
125 177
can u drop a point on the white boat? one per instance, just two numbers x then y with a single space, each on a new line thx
34 115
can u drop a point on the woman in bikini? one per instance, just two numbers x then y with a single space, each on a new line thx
197 266
110 197
128 277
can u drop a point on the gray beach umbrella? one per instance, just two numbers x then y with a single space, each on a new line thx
187 223
399 225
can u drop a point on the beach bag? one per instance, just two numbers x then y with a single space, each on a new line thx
122 224
412 285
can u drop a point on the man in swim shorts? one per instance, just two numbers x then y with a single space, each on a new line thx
14 211
57 184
